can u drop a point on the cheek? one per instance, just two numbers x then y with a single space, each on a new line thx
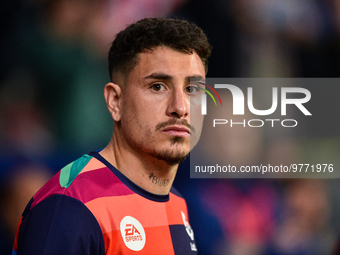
196 117
196 120
129 119
197 124
136 119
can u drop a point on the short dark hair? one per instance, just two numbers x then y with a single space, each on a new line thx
150 33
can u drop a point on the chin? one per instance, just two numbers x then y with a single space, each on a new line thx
171 156
172 153
172 160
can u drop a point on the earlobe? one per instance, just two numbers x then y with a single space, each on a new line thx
112 93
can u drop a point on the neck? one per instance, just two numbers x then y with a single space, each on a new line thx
149 173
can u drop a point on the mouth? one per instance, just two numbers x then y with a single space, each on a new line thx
178 131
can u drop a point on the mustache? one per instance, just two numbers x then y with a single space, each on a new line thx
175 121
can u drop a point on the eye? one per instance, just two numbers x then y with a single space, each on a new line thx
191 89
157 87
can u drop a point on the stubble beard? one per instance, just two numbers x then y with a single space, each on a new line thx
172 157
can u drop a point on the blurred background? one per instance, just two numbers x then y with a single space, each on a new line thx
53 70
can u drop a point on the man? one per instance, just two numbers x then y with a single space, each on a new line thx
120 200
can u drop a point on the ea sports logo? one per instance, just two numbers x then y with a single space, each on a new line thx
133 233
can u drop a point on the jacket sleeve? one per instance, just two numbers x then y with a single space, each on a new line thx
60 225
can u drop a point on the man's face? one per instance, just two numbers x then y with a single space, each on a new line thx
155 105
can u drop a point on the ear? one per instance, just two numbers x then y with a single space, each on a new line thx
112 95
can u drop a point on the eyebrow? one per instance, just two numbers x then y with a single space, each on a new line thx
159 76
163 76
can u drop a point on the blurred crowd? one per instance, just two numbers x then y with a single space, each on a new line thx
53 70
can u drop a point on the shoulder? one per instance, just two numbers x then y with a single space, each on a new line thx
58 217
59 223
175 192
77 180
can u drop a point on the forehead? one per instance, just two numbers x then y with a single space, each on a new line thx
168 61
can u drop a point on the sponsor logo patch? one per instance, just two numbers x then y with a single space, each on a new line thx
133 233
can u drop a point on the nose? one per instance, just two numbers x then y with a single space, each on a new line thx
178 106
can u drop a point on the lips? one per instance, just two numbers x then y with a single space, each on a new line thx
179 131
